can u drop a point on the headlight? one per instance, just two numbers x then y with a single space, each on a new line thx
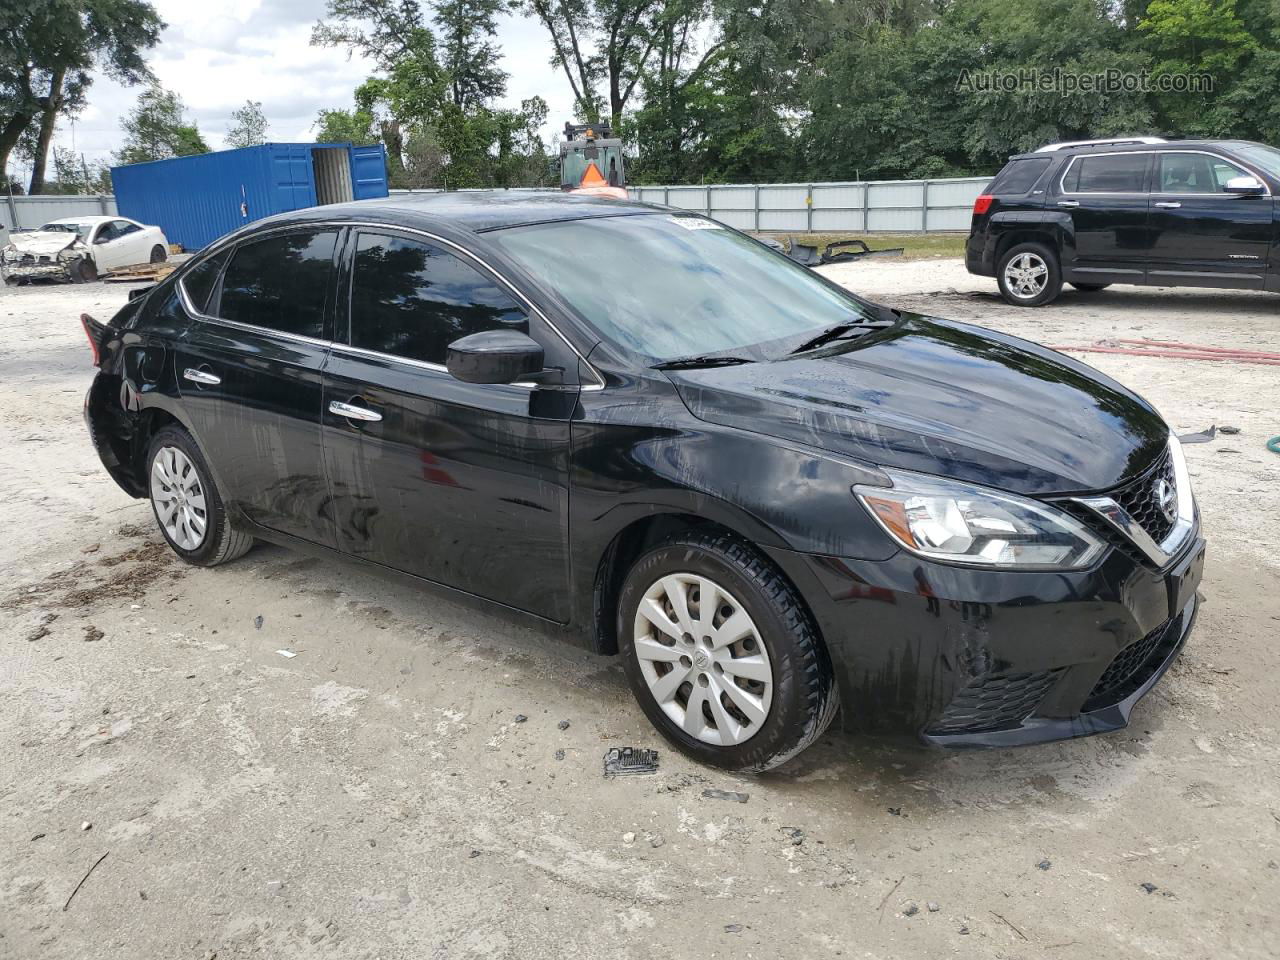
959 523
11 252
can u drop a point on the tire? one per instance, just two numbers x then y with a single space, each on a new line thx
218 542
159 254
1090 287
1038 269
83 270
791 694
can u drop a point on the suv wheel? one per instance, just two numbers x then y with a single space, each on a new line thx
186 503
1090 287
722 654
1029 275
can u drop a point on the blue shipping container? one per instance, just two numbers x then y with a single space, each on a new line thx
196 200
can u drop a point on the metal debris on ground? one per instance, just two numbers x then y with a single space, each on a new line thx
1204 436
712 794
521 718
842 251
257 622
287 654
563 724
630 761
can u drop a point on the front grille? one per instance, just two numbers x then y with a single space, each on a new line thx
995 702
1133 665
1140 501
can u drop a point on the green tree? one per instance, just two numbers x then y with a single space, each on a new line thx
48 52
1205 37
469 54
346 126
157 129
604 48
248 126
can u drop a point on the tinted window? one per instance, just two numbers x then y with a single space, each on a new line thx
1193 173
106 233
1117 173
199 281
280 283
413 299
124 227
1019 177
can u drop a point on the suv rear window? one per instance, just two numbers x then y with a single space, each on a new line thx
1018 177
1109 173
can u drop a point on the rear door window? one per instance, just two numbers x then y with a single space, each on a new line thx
1110 173
280 282
1019 176
412 299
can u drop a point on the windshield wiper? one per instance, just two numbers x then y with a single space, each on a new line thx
695 363
838 332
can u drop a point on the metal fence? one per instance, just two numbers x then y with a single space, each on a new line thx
876 206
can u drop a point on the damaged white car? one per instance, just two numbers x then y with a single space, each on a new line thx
80 248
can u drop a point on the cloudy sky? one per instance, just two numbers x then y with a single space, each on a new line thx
218 54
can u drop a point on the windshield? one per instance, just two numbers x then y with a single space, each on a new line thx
678 286
1260 155
80 228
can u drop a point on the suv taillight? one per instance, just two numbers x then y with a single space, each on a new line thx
983 203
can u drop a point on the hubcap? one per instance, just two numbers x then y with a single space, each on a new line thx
703 660
178 497
1026 275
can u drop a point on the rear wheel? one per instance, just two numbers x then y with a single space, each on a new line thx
158 254
1090 287
722 654
1029 275
186 504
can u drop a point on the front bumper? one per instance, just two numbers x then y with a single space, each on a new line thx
960 657
56 270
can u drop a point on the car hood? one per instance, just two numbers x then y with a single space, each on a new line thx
42 243
944 398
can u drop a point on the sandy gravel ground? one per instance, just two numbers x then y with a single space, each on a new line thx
374 796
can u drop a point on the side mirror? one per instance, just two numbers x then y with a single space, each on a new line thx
494 356
1245 186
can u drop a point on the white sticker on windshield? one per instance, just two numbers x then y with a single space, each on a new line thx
695 223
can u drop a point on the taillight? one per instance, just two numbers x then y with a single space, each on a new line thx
983 203
93 330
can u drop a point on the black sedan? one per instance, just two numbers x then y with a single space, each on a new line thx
774 500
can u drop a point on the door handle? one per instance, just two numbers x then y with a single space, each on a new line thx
1068 203
353 412
196 375
1168 205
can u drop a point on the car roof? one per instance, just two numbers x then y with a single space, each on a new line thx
475 210
96 218
1132 148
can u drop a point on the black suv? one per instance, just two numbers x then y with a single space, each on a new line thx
1198 213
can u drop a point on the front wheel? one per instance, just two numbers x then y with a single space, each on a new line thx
83 270
1029 275
722 655
186 503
